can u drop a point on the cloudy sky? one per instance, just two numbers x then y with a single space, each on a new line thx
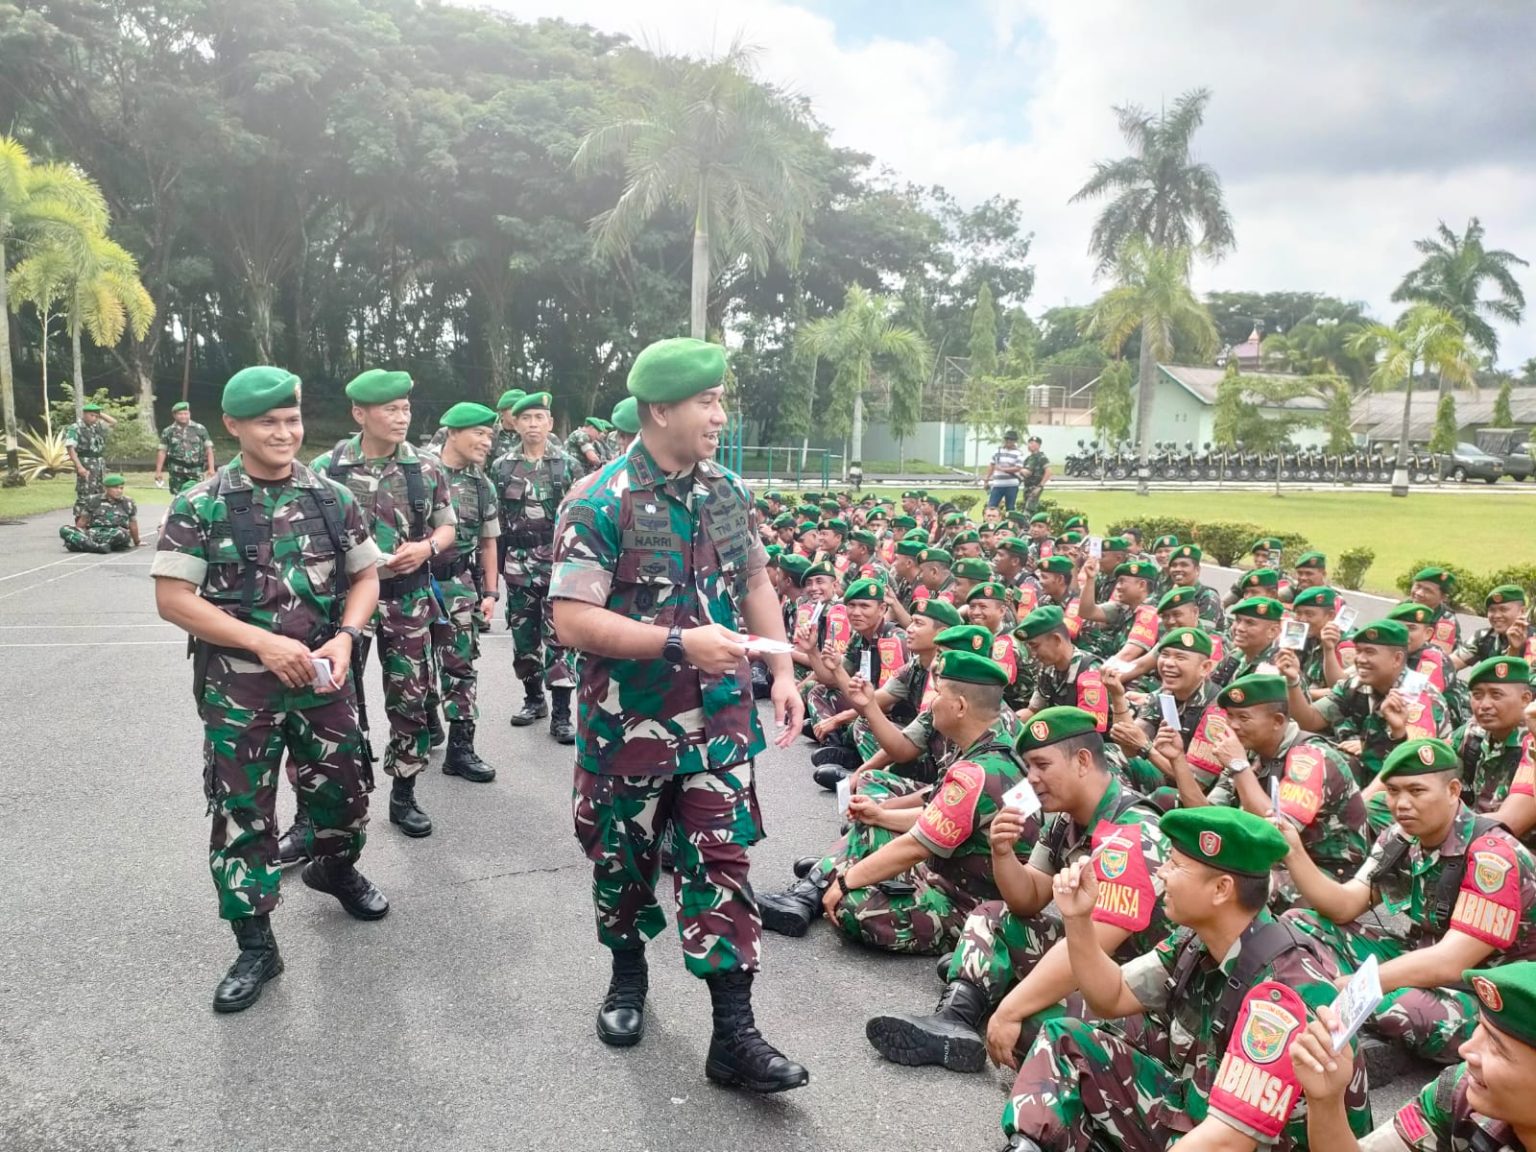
1343 129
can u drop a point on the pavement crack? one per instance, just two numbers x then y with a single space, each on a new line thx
512 873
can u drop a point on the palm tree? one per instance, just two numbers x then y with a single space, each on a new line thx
1152 296
707 137
863 344
1423 336
1451 278
1161 194
38 203
42 280
106 299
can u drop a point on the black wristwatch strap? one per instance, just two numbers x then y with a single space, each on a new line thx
355 633
672 650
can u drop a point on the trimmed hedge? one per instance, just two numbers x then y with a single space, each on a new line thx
1349 569
1472 588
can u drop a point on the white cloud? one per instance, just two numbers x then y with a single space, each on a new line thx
1343 131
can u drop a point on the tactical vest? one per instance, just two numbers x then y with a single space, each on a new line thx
415 486
1448 886
518 533
1056 840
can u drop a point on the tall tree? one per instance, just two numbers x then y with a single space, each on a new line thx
1503 415
1161 194
1114 406
1152 296
1452 276
106 300
42 280
704 136
984 335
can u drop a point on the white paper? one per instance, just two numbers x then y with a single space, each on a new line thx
1274 794
1095 547
1115 664
1345 618
1170 708
763 646
844 795
1357 1002
866 666
322 670
1412 685
1265 668
1022 797
1293 634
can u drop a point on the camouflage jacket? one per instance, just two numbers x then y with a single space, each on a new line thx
186 445
1447 625
1486 644
478 512
576 445
1202 724
507 440
1495 903
381 491
1236 664
614 446
1213 617
1353 713
1311 660
1441 1119
103 512
664 552
1079 685
1122 625
296 587
88 440
887 651
1496 767
912 688
1435 663
531 492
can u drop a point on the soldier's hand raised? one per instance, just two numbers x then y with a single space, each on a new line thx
1516 637
859 693
1322 1073
712 649
1330 635
1076 889
1005 830
287 659
1287 664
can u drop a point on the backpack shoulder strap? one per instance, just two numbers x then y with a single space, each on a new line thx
248 532
416 496
328 503
1262 944
1448 887
1471 753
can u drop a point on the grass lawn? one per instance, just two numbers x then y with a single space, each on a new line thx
59 493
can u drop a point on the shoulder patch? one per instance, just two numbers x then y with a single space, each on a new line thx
1488 905
1256 1084
1301 787
1126 896
950 817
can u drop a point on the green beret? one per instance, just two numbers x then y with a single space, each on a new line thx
1061 565
1505 594
1420 758
876 513
1019 548
1259 608
1116 544
1175 598
468 414
669 371
969 536
1321 597
1267 544
1040 621
378 386
865 589
1070 538
599 423
936 556
783 520
1410 613
181 406
806 509
1312 560
1228 839
969 668
1501 670
1187 552
917 534
1140 569
1437 576
1040 518
912 548
533 402
112 480
952 518
1246 691
1386 633
972 568
761 506
96 408
796 565
821 568
866 538
1261 578
253 392
939 611
806 526
508 398
830 507
1188 640
965 637
912 494
836 524
988 591
774 551
931 499
1053 725
1075 522
1507 995
1165 542
1016 518
904 522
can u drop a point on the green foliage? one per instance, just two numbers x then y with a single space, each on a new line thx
984 335
1521 574
43 454
1451 278
1114 402
963 501
129 441
1152 527
1059 513
1349 567
1447 430
1240 410
1223 542
1502 416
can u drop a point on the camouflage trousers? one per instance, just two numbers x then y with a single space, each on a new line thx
95 539
179 478
863 839
242 752
713 818
402 630
531 620
90 484
1430 1022
997 949
925 769
455 648
822 702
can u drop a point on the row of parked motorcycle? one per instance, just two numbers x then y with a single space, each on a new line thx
1171 461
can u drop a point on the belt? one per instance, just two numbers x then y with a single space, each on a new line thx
397 586
235 653
445 567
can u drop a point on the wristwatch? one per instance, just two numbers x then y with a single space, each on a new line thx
672 650
355 633
1238 764
842 883
432 544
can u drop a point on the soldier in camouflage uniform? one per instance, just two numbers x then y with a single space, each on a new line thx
186 446
1497 772
507 438
986 605
1124 627
1508 632
876 651
105 523
1468 887
585 446
1065 675
469 581
86 443
1010 954
1428 658
1434 587
1321 668
410 512
1253 629
657 563
269 566
531 482
1194 1046
626 426
1483 1104
1184 572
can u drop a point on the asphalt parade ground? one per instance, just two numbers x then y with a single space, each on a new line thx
463 1020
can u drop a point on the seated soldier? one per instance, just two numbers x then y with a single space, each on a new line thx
811 616
1316 606
987 607
1176 608
1467 885
1124 627
1495 746
1365 714
861 551
933 575
1066 676
1311 572
1265 757
1183 670
876 650
1434 662
1016 941
1184 572
1010 566
1200 1059
1484 1104
967 546
968 573
1434 587
1057 575
1253 627
108 522
1508 632
901 589
1262 581
913 893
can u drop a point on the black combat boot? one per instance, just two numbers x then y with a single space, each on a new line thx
293 845
942 967
621 1019
790 912
403 809
952 1036
257 963
461 758
1022 1143
341 879
762 682
560 725
739 1057
802 867
435 727
834 764
534 707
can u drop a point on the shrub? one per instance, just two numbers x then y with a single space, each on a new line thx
1468 593
1059 513
1152 527
963 501
1521 574
1350 568
1224 541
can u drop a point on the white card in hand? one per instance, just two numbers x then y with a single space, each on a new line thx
1095 547
844 795
321 668
1345 618
1357 1002
1413 685
1265 668
866 666
1293 634
1274 794
763 646
1022 797
1170 708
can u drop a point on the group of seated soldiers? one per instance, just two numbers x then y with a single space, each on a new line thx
1147 930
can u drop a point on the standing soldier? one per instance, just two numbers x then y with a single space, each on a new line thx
105 523
1037 471
585 445
657 565
86 442
531 481
507 439
410 515
626 426
270 568
186 446
470 584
